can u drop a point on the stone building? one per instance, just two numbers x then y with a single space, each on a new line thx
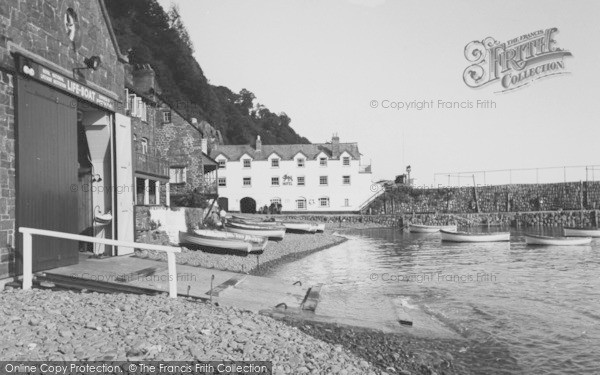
170 152
62 130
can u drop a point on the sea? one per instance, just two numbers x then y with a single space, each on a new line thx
517 308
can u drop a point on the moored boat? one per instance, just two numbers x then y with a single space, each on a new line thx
300 227
419 228
224 241
455 236
272 232
533 239
581 232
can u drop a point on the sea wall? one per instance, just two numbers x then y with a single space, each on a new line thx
514 219
496 198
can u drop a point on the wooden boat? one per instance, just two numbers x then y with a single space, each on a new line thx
532 239
418 228
224 241
581 232
320 227
272 232
300 227
474 237
263 223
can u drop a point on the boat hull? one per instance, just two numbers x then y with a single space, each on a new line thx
474 237
300 227
216 241
274 233
581 232
418 228
557 241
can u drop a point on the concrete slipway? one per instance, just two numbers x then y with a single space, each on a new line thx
129 274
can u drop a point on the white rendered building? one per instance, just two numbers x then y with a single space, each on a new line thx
323 177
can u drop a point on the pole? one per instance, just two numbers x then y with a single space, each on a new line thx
27 262
172 275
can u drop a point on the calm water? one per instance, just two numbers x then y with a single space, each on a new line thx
522 309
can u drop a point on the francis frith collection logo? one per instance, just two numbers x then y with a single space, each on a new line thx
515 63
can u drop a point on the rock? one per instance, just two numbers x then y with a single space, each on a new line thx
302 370
65 333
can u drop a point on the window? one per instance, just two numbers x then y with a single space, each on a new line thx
131 102
247 163
301 204
300 180
300 162
346 161
222 182
346 180
247 181
275 163
275 200
178 175
167 117
144 146
323 180
346 202
323 162
274 181
324 202
222 163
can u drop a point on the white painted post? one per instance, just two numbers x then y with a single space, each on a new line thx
146 192
157 193
172 275
27 262
168 194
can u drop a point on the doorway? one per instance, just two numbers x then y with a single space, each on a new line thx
247 205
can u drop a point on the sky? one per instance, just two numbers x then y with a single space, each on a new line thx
340 66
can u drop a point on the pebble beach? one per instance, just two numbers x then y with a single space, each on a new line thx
63 325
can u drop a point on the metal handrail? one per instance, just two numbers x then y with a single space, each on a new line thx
28 257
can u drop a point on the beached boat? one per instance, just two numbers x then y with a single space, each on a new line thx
300 227
263 223
320 227
532 239
581 232
419 228
224 241
272 232
474 237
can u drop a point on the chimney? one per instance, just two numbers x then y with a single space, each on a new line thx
335 146
258 144
204 145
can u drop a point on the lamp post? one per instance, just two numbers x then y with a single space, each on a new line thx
408 169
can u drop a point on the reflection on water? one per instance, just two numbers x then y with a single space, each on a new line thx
527 309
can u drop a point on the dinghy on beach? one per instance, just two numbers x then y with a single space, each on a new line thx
581 232
224 241
474 237
272 232
533 239
419 228
291 226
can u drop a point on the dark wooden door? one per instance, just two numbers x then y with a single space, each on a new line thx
47 182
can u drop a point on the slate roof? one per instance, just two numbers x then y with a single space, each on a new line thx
286 152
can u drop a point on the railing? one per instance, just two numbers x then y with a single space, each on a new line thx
28 253
151 165
518 176
364 168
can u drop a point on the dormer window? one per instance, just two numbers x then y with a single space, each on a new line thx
247 163
222 163
323 161
300 162
275 163
346 161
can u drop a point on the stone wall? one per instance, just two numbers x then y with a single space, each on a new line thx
161 225
7 173
497 198
181 144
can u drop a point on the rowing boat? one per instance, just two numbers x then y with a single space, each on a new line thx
474 237
532 239
224 241
300 227
418 228
272 232
581 232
